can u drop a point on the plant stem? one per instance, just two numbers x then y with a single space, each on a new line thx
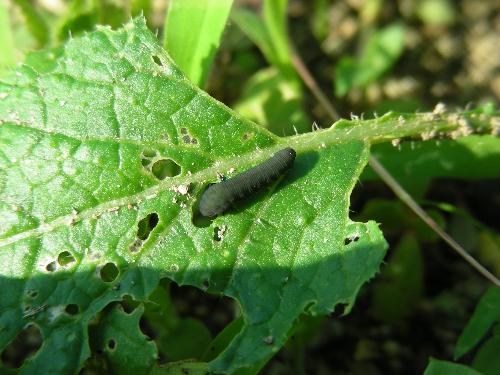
437 124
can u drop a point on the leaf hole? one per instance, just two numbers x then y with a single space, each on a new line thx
165 168
339 310
111 344
197 218
157 60
65 258
350 239
51 267
72 309
219 233
247 136
109 272
129 304
32 293
146 225
25 345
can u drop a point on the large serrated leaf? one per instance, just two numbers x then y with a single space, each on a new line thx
87 217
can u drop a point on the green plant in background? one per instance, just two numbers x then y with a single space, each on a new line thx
106 148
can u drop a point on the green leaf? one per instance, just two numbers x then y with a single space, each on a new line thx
378 55
438 367
486 313
275 20
437 12
192 32
272 97
35 21
105 151
223 339
181 368
401 280
7 51
255 29
125 346
487 360
274 101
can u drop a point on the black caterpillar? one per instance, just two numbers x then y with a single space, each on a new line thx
218 197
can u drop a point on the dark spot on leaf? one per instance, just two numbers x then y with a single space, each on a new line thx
149 153
206 284
247 136
135 246
184 131
174 268
146 225
109 272
186 139
164 136
165 168
145 162
194 141
157 60
32 293
111 344
72 309
25 345
51 267
350 239
65 258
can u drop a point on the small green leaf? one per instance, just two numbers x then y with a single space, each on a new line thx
255 29
438 367
272 97
276 24
486 313
35 21
192 32
274 101
379 53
